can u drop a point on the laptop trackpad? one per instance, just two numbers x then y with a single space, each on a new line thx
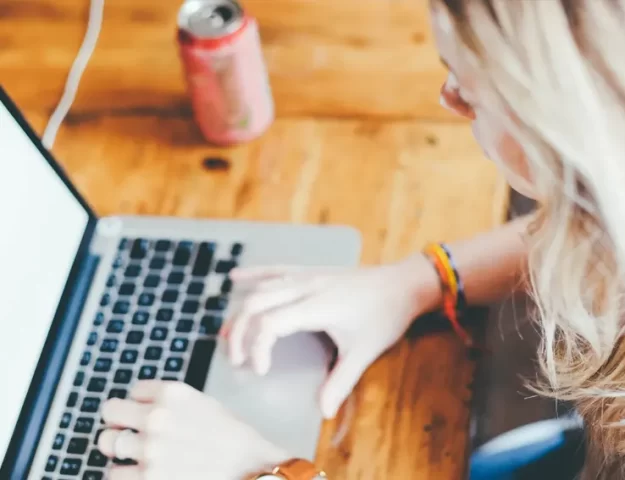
283 405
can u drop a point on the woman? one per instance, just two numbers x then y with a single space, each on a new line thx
543 83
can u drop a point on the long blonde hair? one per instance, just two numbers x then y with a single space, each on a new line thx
554 71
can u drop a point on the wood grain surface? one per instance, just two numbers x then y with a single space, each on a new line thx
360 139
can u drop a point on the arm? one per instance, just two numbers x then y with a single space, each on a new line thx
491 265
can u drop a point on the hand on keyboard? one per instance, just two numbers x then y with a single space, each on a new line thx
181 433
365 311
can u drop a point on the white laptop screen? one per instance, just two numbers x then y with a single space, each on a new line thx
42 225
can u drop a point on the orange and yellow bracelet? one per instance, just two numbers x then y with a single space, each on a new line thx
454 299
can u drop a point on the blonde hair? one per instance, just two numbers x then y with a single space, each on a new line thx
554 71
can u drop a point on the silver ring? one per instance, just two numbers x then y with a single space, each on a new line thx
117 443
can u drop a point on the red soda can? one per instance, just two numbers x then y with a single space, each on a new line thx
225 71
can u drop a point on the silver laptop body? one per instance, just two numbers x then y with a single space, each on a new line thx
144 298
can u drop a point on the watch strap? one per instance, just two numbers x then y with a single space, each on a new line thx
299 469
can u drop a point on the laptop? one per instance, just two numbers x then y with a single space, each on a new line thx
90 305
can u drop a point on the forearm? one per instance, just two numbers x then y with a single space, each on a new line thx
491 265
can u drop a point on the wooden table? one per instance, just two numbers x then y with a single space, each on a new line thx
360 140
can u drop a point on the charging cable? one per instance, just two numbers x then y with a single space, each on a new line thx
96 13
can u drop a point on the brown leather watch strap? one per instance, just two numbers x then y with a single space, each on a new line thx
299 469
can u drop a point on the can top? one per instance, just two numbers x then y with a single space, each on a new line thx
210 18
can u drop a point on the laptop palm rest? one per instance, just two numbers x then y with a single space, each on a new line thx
283 405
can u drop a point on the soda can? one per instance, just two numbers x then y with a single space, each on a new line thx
225 71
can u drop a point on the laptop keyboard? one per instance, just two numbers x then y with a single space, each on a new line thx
157 320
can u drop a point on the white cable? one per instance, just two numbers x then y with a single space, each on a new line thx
96 12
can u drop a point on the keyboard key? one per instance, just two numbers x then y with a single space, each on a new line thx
92 475
132 271
71 466
109 345
169 378
182 255
175 278
216 303
121 307
184 326
129 356
139 249
164 314
123 244
158 333
97 459
126 289
98 320
226 286
169 296
204 259
83 425
118 393
111 281
210 324
102 365
123 376
157 263
105 300
147 372
92 339
118 261
140 317
174 364
72 400
146 299
90 405
51 463
77 446
85 359
179 345
224 266
66 419
96 437
126 461
134 337
115 326
153 353
199 363
152 281
79 379
96 384
195 288
190 306
59 440
162 246
236 250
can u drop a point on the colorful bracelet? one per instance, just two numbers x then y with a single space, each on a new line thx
454 298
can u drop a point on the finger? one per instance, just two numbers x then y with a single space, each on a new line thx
254 306
125 473
125 413
342 381
148 391
121 444
251 274
276 324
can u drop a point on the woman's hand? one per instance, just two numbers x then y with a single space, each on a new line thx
181 433
365 311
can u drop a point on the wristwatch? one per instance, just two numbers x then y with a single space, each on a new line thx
294 469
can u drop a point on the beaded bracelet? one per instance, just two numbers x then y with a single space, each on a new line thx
454 298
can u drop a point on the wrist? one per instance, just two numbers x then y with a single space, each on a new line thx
421 279
267 458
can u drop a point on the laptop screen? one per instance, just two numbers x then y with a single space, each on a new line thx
42 226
